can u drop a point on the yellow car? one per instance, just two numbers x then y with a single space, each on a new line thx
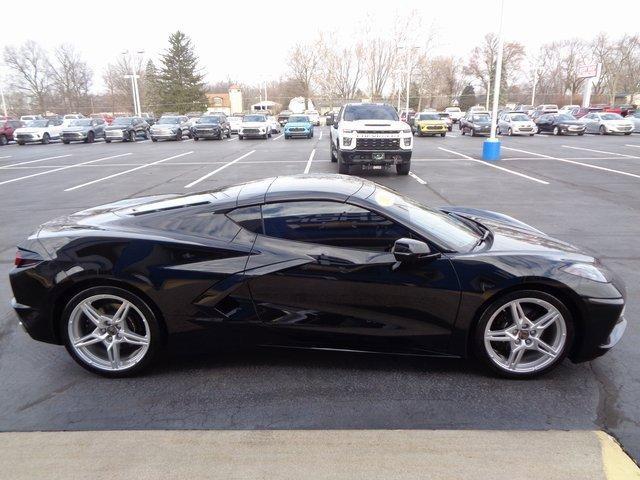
429 124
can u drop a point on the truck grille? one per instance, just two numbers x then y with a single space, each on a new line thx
377 143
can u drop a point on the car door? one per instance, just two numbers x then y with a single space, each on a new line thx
322 275
590 122
333 132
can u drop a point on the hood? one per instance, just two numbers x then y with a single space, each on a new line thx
379 125
481 122
206 125
431 122
571 122
30 130
298 124
116 127
76 129
512 235
618 123
165 126
254 124
526 123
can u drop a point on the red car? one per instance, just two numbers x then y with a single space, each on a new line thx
582 111
623 110
7 127
108 119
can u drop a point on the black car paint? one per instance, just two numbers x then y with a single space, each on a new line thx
204 129
548 122
222 281
82 133
138 127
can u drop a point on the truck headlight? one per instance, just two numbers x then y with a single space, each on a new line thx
407 142
406 130
346 141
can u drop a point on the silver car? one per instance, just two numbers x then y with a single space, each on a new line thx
635 119
516 124
606 123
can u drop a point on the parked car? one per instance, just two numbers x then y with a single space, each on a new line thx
127 129
635 118
476 124
329 118
447 119
284 116
28 118
322 262
606 123
234 123
107 117
407 116
371 136
559 124
429 124
568 108
298 126
40 131
455 113
622 110
515 123
582 111
84 130
67 119
211 126
547 108
254 125
149 117
314 117
275 125
170 128
477 109
7 127
527 109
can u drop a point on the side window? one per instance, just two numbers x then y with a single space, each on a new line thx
331 223
249 218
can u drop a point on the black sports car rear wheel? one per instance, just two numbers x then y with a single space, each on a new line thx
110 331
524 334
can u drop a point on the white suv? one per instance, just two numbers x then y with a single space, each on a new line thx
254 125
371 135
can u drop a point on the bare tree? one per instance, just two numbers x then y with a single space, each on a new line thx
341 71
304 61
619 59
71 77
31 69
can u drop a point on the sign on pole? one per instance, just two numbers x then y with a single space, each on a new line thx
590 73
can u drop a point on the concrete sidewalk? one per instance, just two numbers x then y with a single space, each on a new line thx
315 454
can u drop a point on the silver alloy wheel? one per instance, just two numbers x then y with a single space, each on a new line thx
525 335
109 332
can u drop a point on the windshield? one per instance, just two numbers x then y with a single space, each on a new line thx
565 118
235 119
369 112
452 109
480 118
254 118
428 116
122 121
443 115
519 118
208 120
38 123
447 230
169 121
81 123
611 116
298 118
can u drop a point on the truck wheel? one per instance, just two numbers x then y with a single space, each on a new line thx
343 168
461 131
153 139
403 168
106 140
66 142
240 137
443 134
195 139
334 156
46 138
132 136
3 140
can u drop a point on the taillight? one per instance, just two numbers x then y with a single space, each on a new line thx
25 258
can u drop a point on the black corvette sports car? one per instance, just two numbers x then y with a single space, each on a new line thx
315 261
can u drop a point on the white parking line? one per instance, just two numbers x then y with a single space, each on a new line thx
232 139
634 146
6 156
204 177
278 137
127 171
496 166
35 161
66 167
600 151
320 137
565 160
417 178
308 167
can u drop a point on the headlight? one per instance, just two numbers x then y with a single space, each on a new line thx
407 142
346 141
586 270
406 130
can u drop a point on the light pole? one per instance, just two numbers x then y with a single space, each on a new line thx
491 146
408 65
4 104
134 81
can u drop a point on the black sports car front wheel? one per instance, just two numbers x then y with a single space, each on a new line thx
524 334
110 331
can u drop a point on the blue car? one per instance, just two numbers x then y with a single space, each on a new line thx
298 126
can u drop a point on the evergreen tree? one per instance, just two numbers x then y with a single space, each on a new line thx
180 81
467 98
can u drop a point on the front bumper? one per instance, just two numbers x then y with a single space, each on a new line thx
371 159
572 130
303 132
114 134
28 137
614 129
601 327
208 133
164 135
432 129
74 137
524 130
252 133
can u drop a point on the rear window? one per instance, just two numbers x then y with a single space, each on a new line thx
369 112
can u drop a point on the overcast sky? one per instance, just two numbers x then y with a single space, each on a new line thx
259 34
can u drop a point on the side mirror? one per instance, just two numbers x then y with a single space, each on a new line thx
408 250
335 125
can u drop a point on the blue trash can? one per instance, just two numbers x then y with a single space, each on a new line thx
491 149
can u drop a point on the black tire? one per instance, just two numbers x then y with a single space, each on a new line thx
403 168
240 137
509 132
286 137
556 131
106 140
195 139
154 139
443 134
3 140
66 142
45 139
132 136
179 136
228 133
581 134
473 132
221 135
461 131
334 154
602 130
21 143
90 137
627 133
478 334
155 344
343 168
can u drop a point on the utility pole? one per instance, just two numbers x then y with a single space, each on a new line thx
4 104
134 82
491 146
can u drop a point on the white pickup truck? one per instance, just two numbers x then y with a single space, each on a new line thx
370 135
454 113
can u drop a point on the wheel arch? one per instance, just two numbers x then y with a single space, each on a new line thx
72 290
565 294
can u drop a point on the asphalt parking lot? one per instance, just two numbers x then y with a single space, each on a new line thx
585 190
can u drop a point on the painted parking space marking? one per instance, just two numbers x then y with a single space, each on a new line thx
276 138
36 161
308 166
140 167
533 179
210 174
58 169
320 136
566 160
232 139
6 156
600 151
417 178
